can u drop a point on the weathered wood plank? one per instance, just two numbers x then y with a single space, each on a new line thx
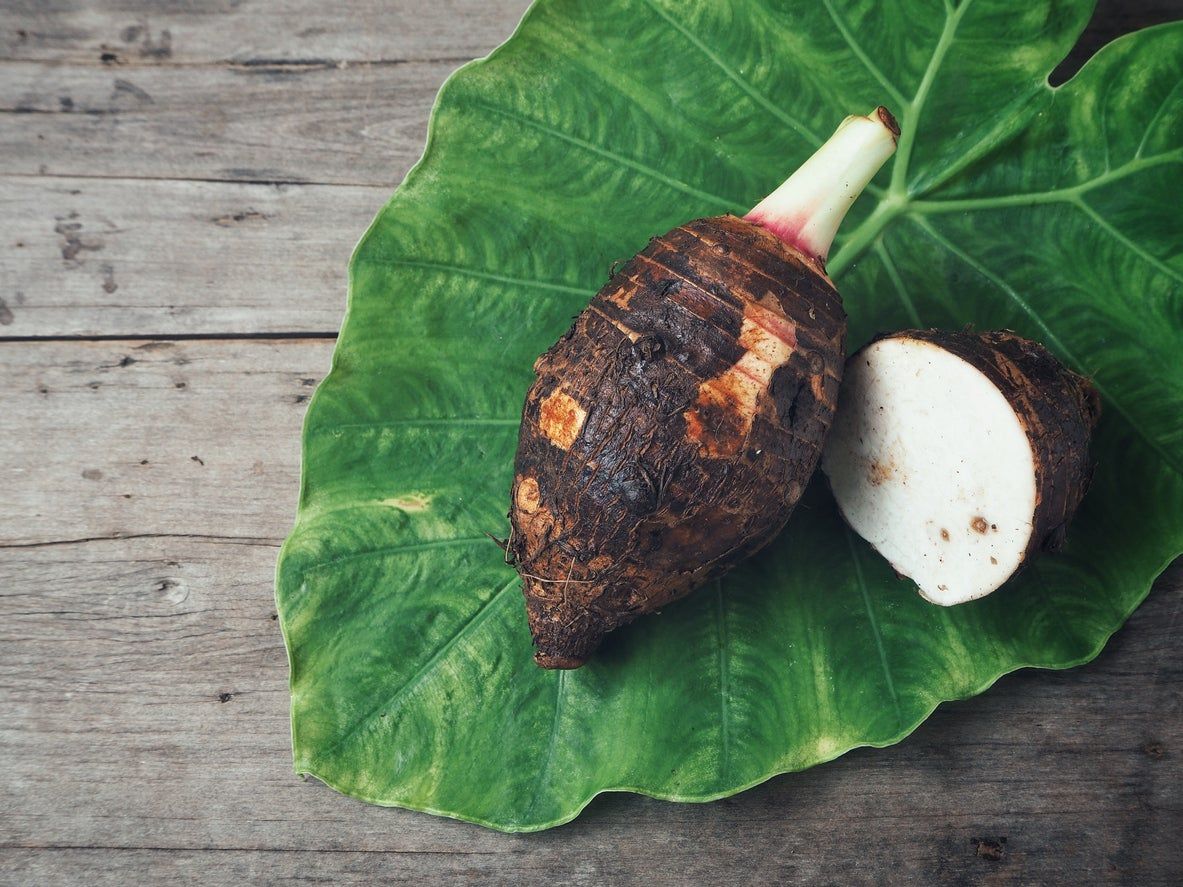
119 868
117 438
324 123
144 686
154 32
97 257
1061 847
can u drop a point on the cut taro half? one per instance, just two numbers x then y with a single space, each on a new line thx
959 456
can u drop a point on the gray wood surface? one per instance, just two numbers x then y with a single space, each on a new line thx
175 226
165 257
332 123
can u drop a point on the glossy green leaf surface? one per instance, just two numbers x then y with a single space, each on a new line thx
600 123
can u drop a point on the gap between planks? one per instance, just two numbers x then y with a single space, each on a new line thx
211 180
296 336
258 65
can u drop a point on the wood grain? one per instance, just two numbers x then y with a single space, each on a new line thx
132 33
321 122
86 257
124 438
116 177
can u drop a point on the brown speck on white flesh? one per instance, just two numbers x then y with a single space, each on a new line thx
992 433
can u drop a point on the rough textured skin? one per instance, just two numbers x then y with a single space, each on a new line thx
1057 408
671 430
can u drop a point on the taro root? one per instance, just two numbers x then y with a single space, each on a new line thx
960 456
671 430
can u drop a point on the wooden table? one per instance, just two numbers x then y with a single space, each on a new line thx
182 183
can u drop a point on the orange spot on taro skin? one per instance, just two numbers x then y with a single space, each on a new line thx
979 525
561 418
742 369
528 496
944 534
817 385
623 296
720 419
723 413
772 322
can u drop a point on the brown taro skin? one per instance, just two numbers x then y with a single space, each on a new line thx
1057 408
671 430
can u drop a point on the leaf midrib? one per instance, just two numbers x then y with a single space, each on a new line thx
395 549
421 674
884 664
724 679
915 108
552 741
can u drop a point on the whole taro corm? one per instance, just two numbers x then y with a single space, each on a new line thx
671 430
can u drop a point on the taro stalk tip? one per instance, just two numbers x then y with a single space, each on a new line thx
806 210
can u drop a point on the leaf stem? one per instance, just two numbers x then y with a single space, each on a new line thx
806 210
864 235
1054 195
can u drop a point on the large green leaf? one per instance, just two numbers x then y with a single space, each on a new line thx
599 124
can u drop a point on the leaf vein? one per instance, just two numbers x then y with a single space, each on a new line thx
619 159
1017 111
427 421
397 549
1133 246
759 98
874 622
893 273
544 771
1157 116
421 674
447 268
1105 119
862 56
899 173
1052 195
